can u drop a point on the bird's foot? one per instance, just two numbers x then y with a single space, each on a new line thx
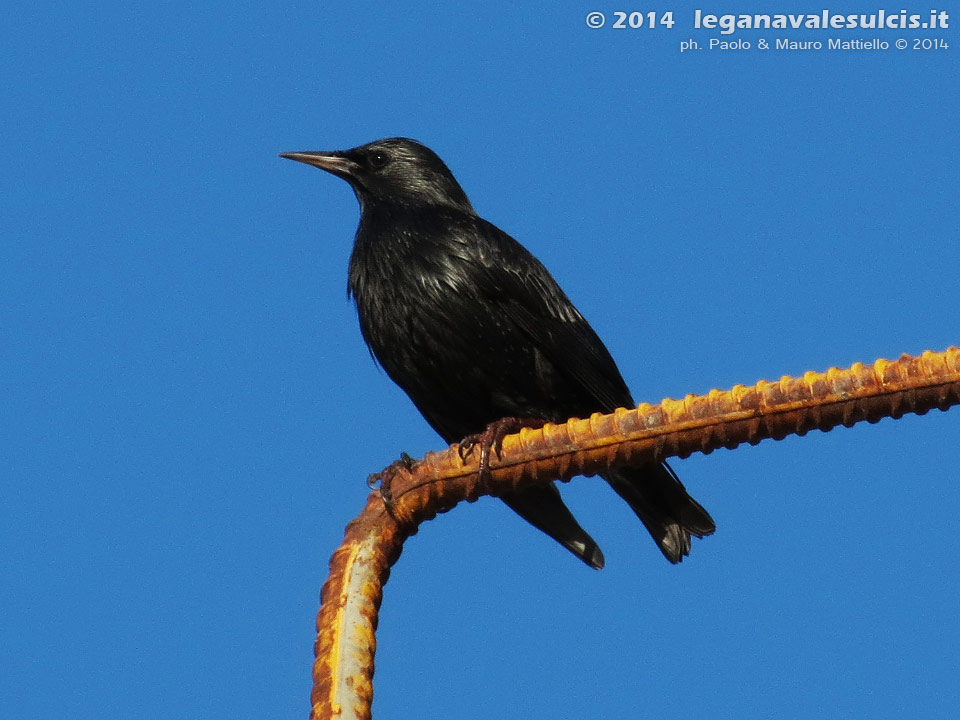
492 438
381 481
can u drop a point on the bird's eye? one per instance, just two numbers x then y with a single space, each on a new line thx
378 160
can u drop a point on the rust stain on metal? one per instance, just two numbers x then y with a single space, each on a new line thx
350 599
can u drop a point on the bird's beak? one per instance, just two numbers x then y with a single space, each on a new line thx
332 162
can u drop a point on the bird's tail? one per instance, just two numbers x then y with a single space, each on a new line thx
656 495
543 508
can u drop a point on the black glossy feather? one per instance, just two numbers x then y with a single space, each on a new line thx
474 329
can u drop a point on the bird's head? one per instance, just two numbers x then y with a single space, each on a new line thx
395 170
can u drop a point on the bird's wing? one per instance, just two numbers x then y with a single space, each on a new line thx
526 294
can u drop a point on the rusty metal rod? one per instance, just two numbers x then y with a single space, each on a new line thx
350 599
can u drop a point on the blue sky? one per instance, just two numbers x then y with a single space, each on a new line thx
190 413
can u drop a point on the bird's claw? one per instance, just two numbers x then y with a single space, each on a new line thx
382 480
492 438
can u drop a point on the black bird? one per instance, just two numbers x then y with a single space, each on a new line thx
475 329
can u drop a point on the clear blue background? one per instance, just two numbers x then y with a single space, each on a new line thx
189 413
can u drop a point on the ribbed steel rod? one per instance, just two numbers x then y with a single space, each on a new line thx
350 600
